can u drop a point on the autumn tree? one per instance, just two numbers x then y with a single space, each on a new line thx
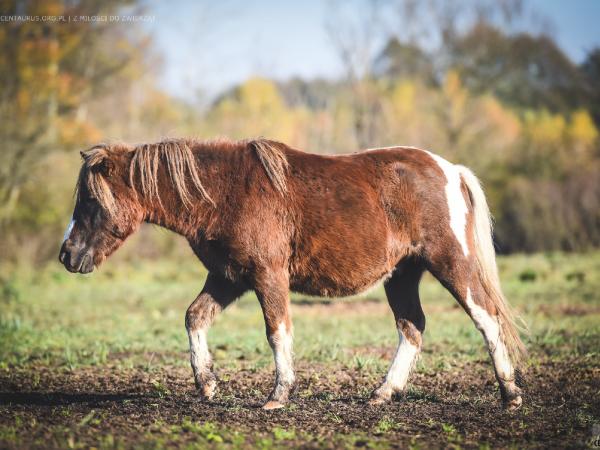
49 72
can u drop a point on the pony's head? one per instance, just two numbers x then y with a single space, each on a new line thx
119 187
106 209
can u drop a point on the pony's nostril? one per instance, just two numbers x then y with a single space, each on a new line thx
87 264
62 257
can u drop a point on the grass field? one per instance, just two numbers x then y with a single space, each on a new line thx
101 361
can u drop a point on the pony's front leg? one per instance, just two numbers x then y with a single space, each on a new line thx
273 293
215 296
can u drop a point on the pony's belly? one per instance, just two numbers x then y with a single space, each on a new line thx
324 286
361 265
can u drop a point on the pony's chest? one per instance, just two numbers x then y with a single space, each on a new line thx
218 257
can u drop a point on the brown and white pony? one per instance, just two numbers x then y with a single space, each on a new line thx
263 216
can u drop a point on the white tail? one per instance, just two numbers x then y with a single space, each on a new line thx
488 270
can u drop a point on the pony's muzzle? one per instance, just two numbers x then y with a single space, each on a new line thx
76 261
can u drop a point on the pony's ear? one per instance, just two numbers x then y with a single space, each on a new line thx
98 160
106 167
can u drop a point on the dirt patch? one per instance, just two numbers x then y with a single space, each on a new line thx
568 310
443 408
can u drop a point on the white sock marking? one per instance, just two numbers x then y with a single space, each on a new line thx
67 234
200 356
457 206
491 332
282 341
397 376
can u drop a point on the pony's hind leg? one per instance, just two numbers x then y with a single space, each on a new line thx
215 296
462 278
402 291
459 252
488 321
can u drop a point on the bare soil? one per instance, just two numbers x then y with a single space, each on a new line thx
446 408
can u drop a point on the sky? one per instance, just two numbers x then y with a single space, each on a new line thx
207 47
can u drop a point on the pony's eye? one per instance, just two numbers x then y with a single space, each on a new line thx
116 232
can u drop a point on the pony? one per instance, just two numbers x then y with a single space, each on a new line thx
263 216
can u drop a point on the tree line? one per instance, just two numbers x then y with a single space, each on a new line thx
498 97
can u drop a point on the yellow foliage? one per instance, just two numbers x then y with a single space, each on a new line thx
545 128
260 95
452 83
257 109
455 93
403 97
158 108
47 8
582 130
501 119
72 132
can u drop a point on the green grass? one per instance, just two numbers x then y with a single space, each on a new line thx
130 315
188 433
133 315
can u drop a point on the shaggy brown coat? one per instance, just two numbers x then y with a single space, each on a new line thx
263 216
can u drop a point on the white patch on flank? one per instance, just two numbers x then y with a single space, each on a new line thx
67 234
281 341
491 332
397 376
456 202
199 354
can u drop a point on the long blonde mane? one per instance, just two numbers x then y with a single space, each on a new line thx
178 158
93 180
181 166
176 155
273 159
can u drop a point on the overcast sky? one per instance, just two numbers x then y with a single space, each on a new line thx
214 47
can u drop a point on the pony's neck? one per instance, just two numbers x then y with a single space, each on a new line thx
190 213
177 217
